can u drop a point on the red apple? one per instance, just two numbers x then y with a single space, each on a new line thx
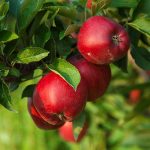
97 76
66 132
134 96
89 4
38 120
57 101
102 41
148 72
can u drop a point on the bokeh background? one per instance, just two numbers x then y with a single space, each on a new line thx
116 121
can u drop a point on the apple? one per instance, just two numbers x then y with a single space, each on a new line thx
38 120
97 76
134 96
66 132
102 41
57 101
148 72
89 4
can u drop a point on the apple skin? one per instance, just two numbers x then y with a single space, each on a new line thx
38 120
66 132
57 101
134 96
89 4
148 72
102 41
97 76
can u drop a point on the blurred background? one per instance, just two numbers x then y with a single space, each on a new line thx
120 120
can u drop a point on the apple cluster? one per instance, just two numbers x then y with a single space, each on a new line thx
55 103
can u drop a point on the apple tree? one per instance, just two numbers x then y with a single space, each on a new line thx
83 62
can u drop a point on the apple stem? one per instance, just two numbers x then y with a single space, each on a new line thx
62 117
116 39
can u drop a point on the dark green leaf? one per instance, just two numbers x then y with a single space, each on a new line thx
51 46
63 46
67 71
70 29
124 3
100 4
31 54
27 11
14 6
42 36
141 57
141 139
7 36
5 98
134 33
78 124
13 85
62 35
142 105
28 91
65 11
3 70
143 8
4 6
141 24
14 72
51 22
38 20
122 64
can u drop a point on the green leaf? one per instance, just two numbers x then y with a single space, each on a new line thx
42 36
100 4
62 35
14 72
78 125
31 54
140 139
142 106
3 70
124 3
143 8
122 64
4 7
70 29
7 36
116 136
69 12
28 91
14 6
27 11
141 24
132 34
5 98
67 71
63 46
141 57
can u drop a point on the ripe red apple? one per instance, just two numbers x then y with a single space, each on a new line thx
134 96
97 76
66 132
38 120
148 72
89 4
57 101
102 41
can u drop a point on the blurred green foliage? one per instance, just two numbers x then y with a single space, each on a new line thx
114 124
